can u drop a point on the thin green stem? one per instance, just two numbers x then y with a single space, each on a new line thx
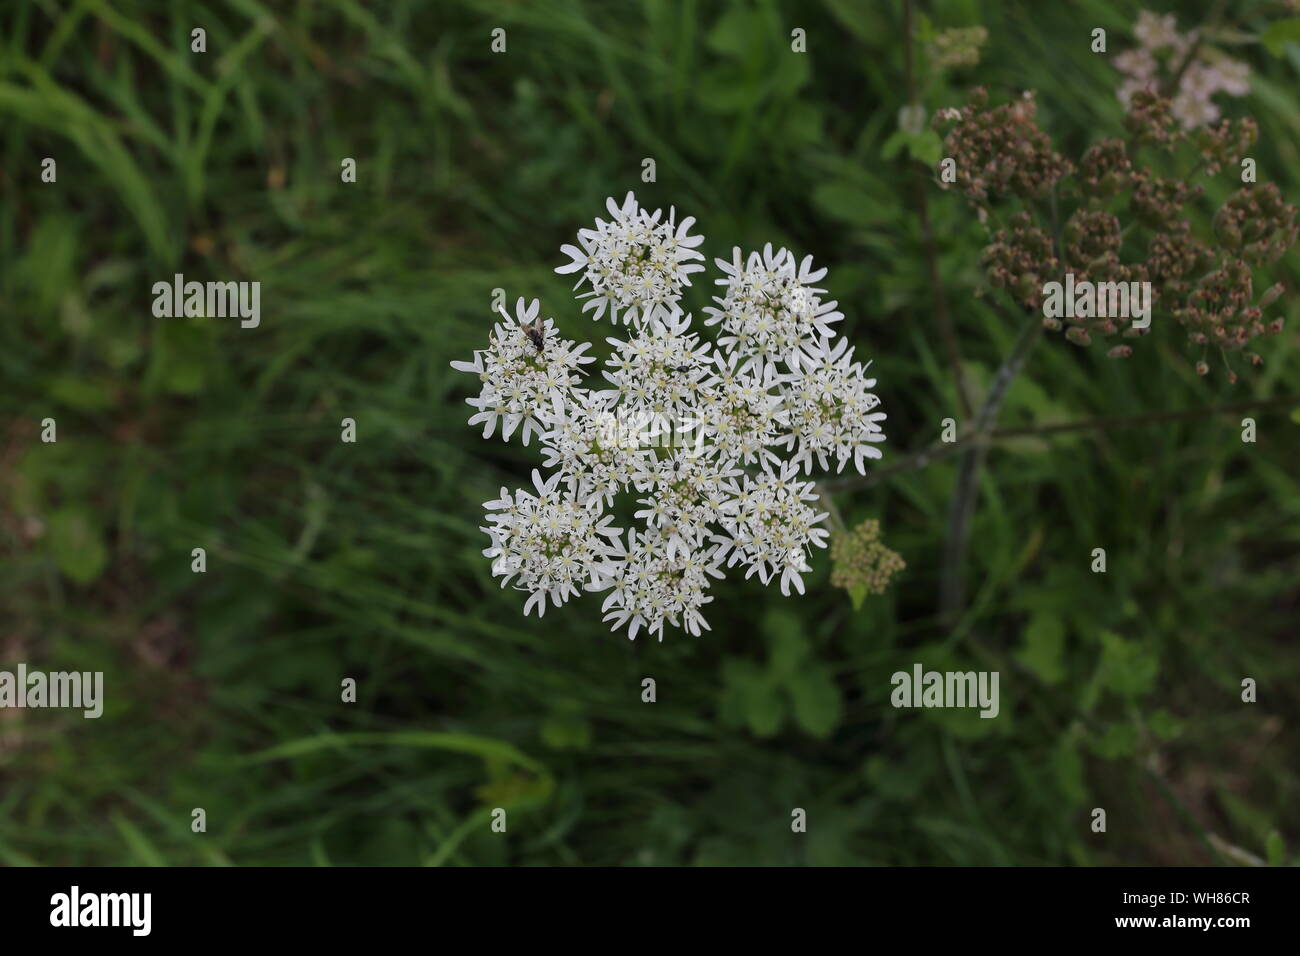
1211 23
947 330
952 580
837 520
939 450
1147 418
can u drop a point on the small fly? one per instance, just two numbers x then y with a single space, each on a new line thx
534 333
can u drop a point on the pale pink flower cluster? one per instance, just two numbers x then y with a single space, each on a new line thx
1162 52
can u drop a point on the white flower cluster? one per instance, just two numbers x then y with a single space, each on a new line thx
1162 52
710 439
635 263
525 368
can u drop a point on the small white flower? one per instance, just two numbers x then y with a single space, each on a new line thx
635 264
652 585
770 307
741 410
685 491
525 369
1163 51
773 525
1155 32
590 448
549 543
829 403
659 369
1137 64
1233 76
1193 111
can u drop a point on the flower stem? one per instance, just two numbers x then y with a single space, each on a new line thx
938 450
947 330
1120 421
837 520
952 582
1211 23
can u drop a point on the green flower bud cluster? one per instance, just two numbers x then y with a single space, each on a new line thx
861 560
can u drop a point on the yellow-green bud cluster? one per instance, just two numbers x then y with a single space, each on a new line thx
861 560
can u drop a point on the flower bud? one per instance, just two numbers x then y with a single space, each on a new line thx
1270 296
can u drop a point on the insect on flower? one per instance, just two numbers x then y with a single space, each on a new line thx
534 333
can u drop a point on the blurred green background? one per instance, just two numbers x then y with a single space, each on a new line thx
329 560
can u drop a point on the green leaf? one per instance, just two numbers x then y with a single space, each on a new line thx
1165 725
1120 740
136 841
724 90
566 732
77 544
926 147
182 350
1043 651
829 842
766 709
1067 767
83 394
50 267
863 22
1127 667
1245 815
848 202
750 697
891 780
803 125
489 749
1275 849
894 144
817 703
1280 33
736 32
858 594
789 646
790 75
